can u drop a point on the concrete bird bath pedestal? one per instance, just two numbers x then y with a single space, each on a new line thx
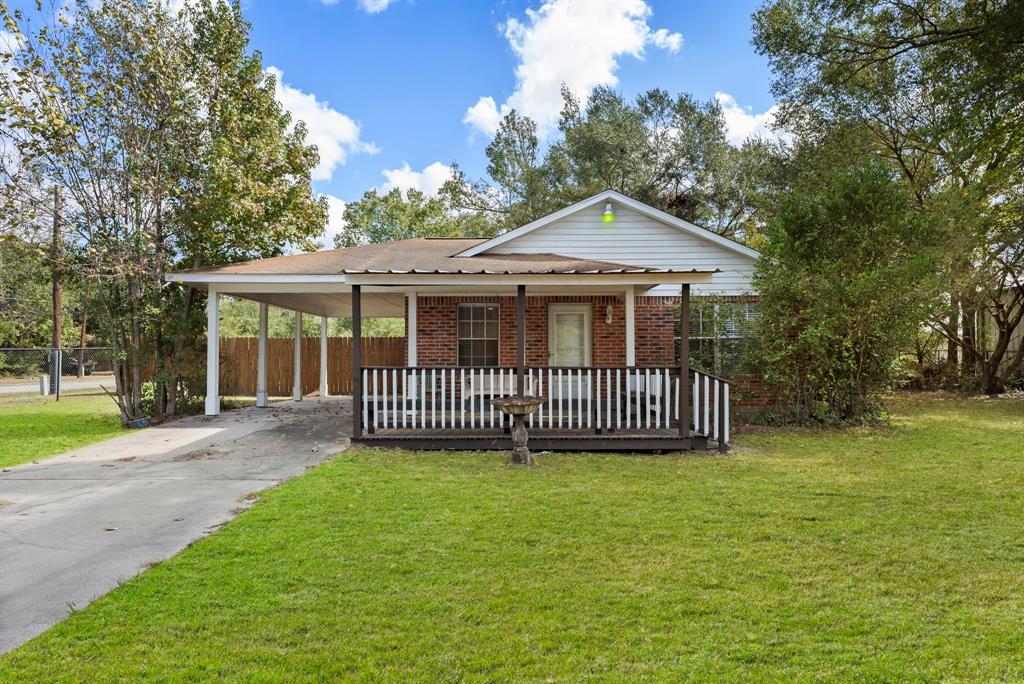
519 408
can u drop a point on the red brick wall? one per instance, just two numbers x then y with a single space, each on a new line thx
655 330
437 333
437 336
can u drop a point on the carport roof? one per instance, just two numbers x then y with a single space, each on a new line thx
423 256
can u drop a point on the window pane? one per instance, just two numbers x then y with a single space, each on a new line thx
491 353
478 334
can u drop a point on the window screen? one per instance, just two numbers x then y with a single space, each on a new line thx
478 334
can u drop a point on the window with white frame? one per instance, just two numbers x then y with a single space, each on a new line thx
719 332
478 334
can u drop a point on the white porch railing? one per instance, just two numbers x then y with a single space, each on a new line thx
628 400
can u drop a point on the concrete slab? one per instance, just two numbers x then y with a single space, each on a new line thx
73 526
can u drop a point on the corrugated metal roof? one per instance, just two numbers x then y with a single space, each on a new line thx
427 257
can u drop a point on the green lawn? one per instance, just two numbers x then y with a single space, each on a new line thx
41 429
871 555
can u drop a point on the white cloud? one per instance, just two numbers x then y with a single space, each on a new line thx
664 40
483 115
335 220
371 6
571 42
741 123
335 135
428 181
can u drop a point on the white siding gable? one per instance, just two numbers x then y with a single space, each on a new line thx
639 240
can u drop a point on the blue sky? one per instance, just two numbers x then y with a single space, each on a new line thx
394 91
393 96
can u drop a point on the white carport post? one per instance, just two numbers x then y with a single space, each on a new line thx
297 379
212 351
411 391
323 356
630 326
410 333
261 357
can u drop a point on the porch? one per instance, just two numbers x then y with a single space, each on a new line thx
466 327
591 409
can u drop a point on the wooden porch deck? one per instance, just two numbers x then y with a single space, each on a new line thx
540 439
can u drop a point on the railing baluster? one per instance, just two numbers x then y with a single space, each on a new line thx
672 405
462 397
561 389
366 402
714 424
596 393
490 389
647 395
423 399
706 390
659 398
608 399
628 407
618 399
580 397
551 398
397 379
483 400
725 418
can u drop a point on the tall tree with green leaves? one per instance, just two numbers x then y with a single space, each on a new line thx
668 151
933 87
244 189
394 216
846 275
161 130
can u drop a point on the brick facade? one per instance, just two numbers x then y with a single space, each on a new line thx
437 336
437 341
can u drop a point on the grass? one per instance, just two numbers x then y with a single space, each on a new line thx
40 429
877 554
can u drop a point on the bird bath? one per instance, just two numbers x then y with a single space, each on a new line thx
519 408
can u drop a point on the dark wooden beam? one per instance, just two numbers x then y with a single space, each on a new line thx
499 442
684 363
357 362
521 340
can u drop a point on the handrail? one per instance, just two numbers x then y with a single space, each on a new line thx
537 367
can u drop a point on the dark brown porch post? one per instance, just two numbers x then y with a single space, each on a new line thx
521 340
357 362
684 363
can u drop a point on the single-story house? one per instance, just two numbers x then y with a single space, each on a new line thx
587 307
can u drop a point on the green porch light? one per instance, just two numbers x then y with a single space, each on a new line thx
609 215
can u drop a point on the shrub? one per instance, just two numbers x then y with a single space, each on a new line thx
844 280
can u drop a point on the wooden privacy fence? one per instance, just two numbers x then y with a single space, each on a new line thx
238 363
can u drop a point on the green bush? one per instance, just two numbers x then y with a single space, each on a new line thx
844 280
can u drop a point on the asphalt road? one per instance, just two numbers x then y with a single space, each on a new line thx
73 526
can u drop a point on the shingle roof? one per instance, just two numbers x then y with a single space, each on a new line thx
424 256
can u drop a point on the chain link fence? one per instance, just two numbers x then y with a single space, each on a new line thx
38 374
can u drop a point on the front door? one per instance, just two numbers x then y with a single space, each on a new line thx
569 344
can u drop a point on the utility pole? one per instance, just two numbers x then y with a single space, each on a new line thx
55 364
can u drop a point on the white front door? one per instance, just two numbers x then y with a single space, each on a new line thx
569 343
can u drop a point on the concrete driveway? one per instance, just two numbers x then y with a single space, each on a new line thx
73 525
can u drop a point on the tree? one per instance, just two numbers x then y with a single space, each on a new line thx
245 189
846 275
932 89
670 152
392 216
163 134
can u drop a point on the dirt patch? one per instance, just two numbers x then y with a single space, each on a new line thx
126 459
4 503
199 455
